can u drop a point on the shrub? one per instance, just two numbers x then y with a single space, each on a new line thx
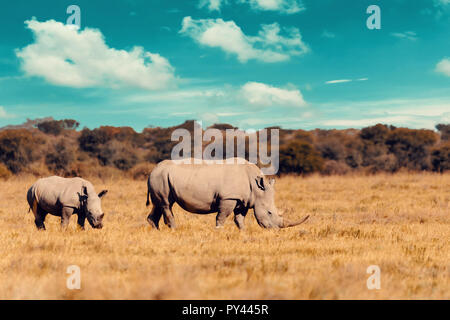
299 157
18 148
117 154
411 147
142 170
333 167
440 158
376 134
55 127
91 140
4 172
444 129
385 162
59 159
331 148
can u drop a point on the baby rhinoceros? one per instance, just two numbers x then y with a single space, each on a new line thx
64 197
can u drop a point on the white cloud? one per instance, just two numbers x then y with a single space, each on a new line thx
260 94
328 34
4 114
442 2
351 123
230 114
345 80
444 67
212 5
177 95
441 8
412 113
413 107
338 81
64 56
408 35
283 6
268 46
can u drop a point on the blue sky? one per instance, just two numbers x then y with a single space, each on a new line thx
252 63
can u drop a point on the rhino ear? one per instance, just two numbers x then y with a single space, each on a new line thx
84 190
102 193
260 182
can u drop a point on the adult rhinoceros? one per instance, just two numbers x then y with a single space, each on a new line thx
63 197
211 187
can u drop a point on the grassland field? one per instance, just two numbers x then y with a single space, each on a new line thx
400 223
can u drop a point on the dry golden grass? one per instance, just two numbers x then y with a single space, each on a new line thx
400 223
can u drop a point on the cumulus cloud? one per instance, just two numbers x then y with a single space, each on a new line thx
212 5
260 94
65 56
444 67
268 46
283 6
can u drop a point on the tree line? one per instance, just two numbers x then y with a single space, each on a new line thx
56 146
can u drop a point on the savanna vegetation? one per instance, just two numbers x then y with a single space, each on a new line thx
56 146
398 222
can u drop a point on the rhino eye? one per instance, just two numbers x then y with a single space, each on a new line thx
270 213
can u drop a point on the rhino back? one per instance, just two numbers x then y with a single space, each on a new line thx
52 193
198 187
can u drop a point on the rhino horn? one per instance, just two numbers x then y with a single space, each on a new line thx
287 224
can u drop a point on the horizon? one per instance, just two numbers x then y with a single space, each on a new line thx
295 65
33 123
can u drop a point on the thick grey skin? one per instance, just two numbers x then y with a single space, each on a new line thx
209 188
64 197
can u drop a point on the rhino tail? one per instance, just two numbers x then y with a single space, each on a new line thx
34 207
148 192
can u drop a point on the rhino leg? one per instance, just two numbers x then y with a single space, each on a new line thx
239 221
66 213
226 207
239 216
154 217
169 218
81 220
39 217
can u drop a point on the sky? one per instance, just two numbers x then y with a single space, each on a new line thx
251 63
